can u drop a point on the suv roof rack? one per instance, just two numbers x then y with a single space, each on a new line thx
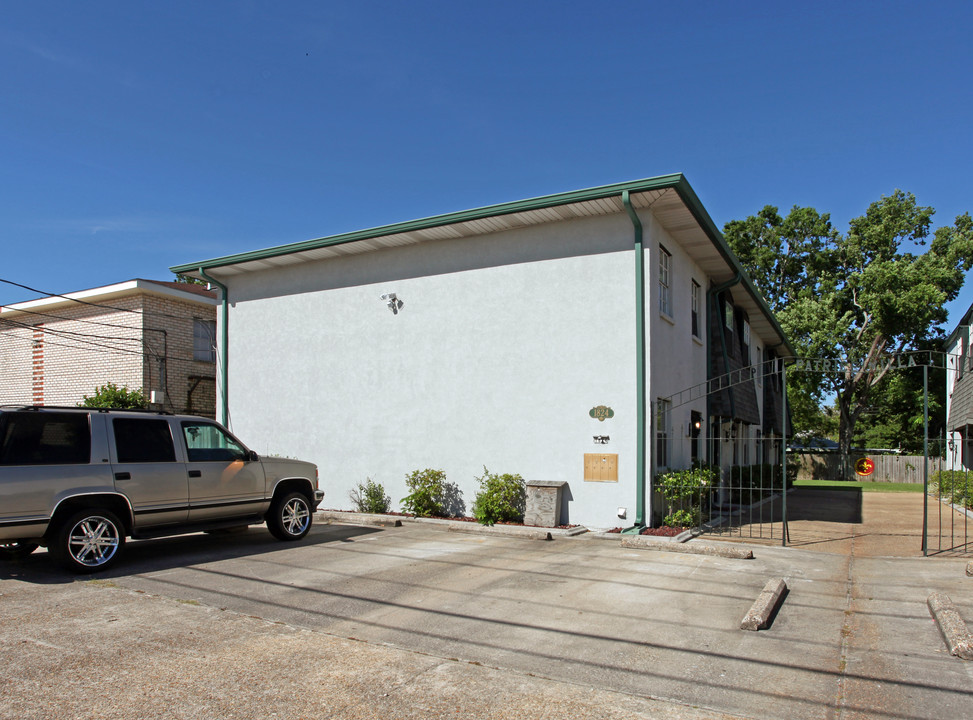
147 411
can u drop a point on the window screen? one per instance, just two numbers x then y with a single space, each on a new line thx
204 340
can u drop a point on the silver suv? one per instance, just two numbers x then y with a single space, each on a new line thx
79 480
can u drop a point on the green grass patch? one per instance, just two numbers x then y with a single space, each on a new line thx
860 485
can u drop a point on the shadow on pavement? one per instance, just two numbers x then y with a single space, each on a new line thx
141 556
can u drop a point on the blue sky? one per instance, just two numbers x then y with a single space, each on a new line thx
136 135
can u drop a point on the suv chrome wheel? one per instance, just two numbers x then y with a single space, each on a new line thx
90 541
290 517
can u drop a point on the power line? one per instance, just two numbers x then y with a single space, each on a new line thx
81 344
80 320
97 305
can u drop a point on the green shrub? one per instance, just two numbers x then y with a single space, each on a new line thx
428 488
501 498
956 486
751 483
370 497
686 494
110 395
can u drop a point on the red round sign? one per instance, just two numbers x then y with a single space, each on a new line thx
865 466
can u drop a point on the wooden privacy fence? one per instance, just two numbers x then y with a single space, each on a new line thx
888 468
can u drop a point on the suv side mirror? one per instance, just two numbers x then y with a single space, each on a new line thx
252 456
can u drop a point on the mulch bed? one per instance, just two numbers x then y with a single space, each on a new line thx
657 532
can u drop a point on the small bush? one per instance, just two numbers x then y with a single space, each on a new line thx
686 492
370 497
501 498
428 489
110 395
956 486
751 483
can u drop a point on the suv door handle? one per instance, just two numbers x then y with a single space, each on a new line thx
123 476
195 473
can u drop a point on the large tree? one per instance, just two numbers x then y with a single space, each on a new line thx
855 299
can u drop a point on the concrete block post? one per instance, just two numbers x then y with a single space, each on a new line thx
544 503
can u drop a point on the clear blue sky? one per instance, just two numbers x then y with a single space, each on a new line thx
138 135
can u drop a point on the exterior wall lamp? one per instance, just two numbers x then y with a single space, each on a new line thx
394 304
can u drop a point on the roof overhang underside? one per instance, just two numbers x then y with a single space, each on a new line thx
670 198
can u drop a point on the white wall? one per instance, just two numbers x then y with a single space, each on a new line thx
678 360
502 346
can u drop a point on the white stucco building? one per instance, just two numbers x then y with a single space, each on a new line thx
498 337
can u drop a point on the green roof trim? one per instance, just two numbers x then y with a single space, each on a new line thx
660 183
675 181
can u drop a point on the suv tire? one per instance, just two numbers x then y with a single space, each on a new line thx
90 540
289 517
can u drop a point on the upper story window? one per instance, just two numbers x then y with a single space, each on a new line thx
204 340
962 354
746 339
695 308
665 281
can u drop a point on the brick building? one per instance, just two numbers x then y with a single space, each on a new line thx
147 335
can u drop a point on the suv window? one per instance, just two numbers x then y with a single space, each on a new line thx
141 440
206 443
49 438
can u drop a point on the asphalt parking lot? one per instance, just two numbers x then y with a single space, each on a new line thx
418 622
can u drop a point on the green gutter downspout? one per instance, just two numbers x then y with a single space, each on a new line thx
639 364
224 352
712 294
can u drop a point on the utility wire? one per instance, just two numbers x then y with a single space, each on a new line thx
82 338
79 320
97 305
95 347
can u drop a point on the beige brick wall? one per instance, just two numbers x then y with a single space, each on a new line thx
16 347
189 384
146 343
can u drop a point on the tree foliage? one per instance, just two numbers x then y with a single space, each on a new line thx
855 298
110 395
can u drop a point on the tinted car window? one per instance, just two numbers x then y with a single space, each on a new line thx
30 438
140 440
205 442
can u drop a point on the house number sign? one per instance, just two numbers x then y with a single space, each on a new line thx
601 412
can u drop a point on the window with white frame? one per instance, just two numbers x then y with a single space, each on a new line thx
695 308
665 281
204 340
662 419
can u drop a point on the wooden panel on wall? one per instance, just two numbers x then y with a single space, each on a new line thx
601 467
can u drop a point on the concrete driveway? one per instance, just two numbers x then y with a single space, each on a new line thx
418 622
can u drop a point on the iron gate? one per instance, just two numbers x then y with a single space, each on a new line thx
740 477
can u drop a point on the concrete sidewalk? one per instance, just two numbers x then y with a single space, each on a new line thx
416 622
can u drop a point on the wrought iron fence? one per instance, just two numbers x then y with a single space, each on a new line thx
948 527
736 489
741 497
